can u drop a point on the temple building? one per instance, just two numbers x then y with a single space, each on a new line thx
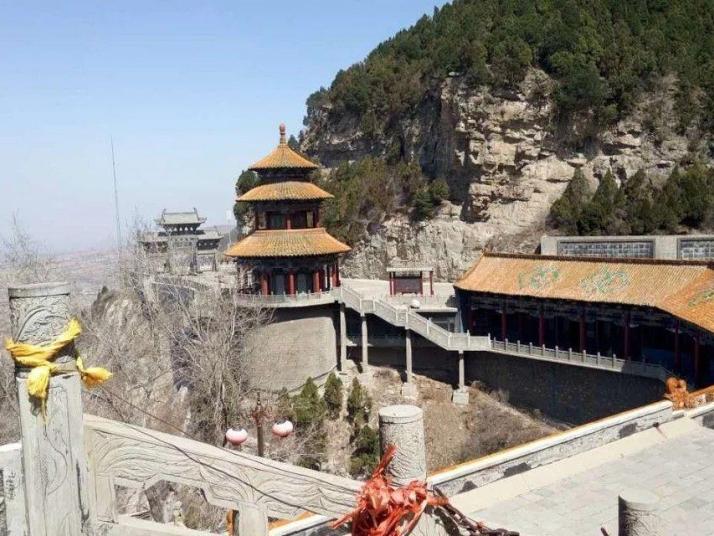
181 245
646 310
288 253
289 263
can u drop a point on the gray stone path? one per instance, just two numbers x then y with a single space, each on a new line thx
680 471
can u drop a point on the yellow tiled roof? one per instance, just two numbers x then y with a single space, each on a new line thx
287 243
681 288
283 157
285 191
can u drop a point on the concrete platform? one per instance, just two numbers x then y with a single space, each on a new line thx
578 495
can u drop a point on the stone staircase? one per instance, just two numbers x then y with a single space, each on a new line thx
408 319
461 342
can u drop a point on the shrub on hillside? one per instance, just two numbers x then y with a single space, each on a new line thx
365 454
359 405
333 395
309 408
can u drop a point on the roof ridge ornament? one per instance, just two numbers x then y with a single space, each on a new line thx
281 128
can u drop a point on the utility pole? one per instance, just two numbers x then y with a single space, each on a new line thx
259 415
116 199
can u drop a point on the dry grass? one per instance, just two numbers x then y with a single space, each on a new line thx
456 434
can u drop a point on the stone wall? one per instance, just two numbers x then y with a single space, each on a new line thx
695 247
297 344
566 393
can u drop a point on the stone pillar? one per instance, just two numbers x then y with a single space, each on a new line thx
365 341
343 337
53 458
251 521
408 389
460 396
403 427
462 370
638 514
408 348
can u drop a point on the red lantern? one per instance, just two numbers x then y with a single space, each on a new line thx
283 429
236 437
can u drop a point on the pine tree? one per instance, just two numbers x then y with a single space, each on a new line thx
333 395
308 406
365 455
359 405
566 212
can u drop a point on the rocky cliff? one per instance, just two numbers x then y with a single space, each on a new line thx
506 161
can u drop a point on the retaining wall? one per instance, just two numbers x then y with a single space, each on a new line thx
297 344
566 393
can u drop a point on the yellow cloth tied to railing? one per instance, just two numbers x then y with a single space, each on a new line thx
39 359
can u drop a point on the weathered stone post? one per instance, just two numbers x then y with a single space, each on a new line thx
365 343
343 337
403 427
638 514
460 396
53 459
409 389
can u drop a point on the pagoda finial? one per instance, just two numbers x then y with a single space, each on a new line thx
282 134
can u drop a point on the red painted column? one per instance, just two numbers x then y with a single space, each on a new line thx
626 337
469 318
582 331
503 323
291 283
264 289
677 355
289 221
316 217
256 219
519 315
316 287
337 274
421 283
541 327
431 282
697 363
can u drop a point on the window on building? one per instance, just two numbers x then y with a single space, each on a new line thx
302 283
277 221
262 224
278 284
299 220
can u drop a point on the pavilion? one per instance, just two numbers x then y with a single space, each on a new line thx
654 311
288 253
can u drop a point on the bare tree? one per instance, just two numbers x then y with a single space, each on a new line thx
21 261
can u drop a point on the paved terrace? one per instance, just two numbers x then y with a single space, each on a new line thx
578 495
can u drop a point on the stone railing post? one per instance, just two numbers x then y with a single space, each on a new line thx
638 514
403 427
53 458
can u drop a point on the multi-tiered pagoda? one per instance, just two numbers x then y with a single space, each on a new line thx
288 253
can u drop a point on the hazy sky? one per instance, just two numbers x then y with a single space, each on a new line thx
191 92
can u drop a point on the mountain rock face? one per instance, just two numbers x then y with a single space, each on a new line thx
505 160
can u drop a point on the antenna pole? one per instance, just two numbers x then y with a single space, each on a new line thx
116 198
